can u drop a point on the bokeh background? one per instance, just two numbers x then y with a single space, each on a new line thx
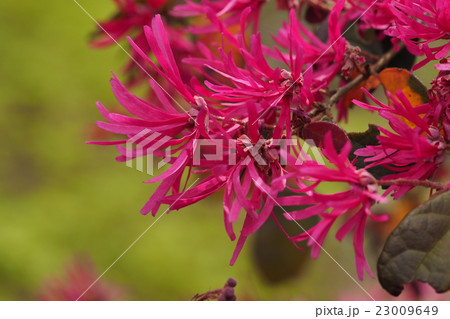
61 198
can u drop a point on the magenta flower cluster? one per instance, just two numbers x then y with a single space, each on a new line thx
213 79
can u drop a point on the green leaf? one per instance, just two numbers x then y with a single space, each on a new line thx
418 249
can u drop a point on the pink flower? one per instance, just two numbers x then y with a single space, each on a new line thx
371 14
440 96
246 106
246 180
379 16
258 81
444 65
410 152
133 15
354 203
249 163
295 85
229 12
160 123
427 20
79 275
327 58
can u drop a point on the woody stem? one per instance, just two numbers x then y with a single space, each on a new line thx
412 182
370 55
383 60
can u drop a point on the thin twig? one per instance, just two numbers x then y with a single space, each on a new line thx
384 59
412 182
370 55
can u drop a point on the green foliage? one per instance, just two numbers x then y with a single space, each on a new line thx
418 249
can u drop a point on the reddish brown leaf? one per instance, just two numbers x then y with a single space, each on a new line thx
316 132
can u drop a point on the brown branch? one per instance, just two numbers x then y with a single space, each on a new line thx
384 59
412 182
370 55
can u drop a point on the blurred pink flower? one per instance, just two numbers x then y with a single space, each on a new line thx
79 275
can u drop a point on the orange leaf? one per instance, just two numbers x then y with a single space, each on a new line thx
395 79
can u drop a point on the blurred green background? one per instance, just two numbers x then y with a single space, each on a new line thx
60 197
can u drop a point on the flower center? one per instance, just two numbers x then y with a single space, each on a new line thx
367 180
293 85
437 140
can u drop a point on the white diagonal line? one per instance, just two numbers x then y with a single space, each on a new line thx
323 53
131 57
137 239
315 241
